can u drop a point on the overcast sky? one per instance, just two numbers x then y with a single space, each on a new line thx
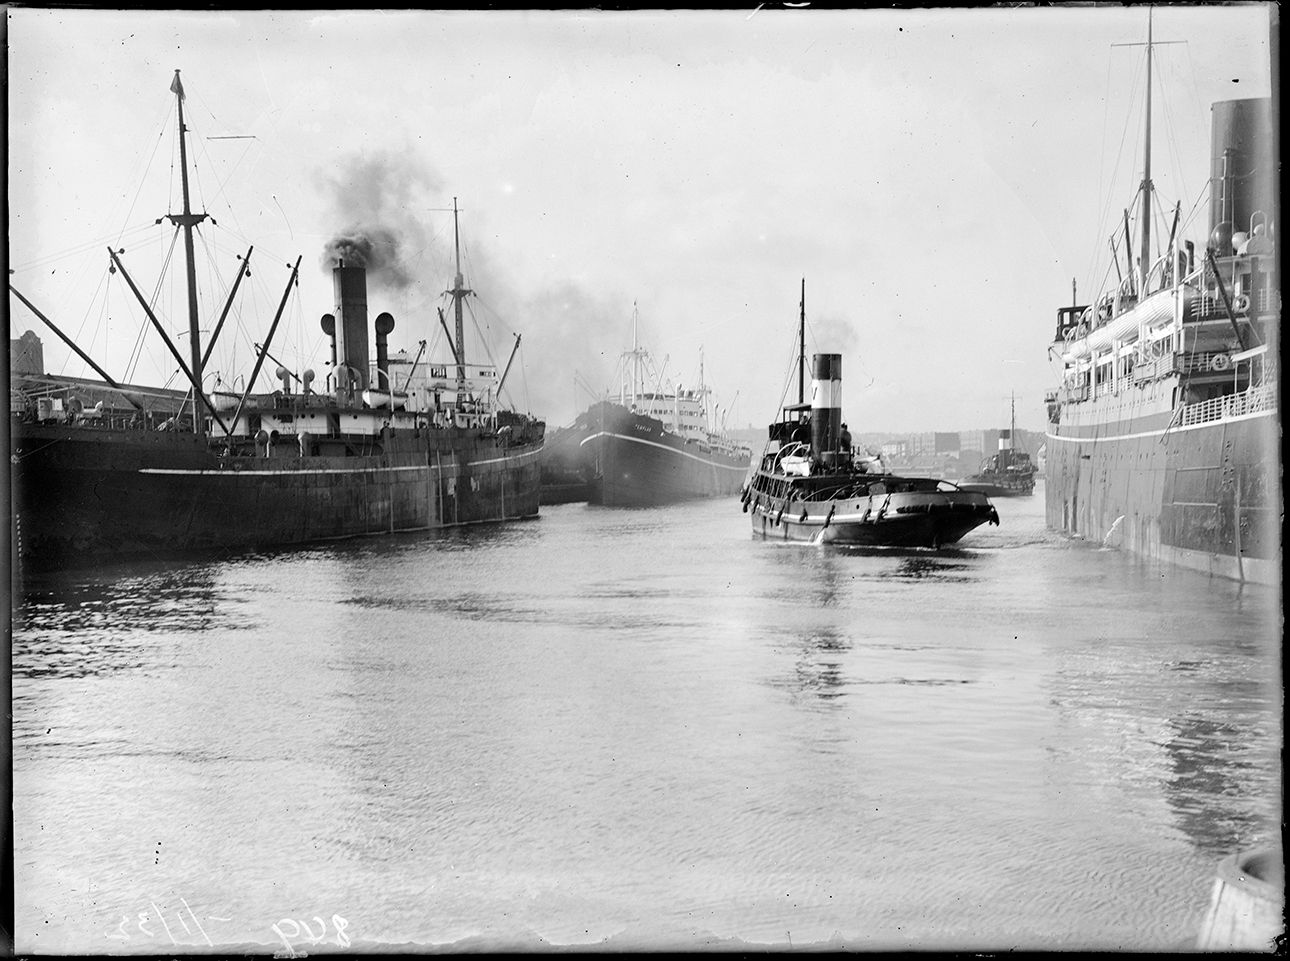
938 177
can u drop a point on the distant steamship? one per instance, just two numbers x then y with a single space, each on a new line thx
655 444
144 474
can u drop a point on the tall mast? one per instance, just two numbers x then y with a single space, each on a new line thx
458 295
631 365
703 390
801 353
187 220
1144 250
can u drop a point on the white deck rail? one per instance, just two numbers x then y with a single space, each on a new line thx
1253 401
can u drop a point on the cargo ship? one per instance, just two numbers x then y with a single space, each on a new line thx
655 446
810 485
1008 473
1163 435
142 473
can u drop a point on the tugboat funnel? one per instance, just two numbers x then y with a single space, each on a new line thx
826 408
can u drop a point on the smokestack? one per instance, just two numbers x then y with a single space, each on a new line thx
826 406
384 324
350 284
1241 174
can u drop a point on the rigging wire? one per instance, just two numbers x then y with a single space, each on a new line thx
788 382
155 298
1108 212
79 250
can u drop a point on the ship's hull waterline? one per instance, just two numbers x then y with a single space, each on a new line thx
1205 497
636 462
87 495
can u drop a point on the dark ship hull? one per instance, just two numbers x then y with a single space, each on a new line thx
1203 496
636 462
84 495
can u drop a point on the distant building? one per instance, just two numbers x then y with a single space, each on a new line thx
974 440
945 442
920 444
26 355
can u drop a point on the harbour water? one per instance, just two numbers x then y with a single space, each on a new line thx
641 727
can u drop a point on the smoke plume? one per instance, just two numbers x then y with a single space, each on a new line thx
382 202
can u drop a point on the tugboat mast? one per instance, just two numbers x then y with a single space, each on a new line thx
801 352
188 220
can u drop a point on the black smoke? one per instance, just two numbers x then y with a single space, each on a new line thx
383 202
376 248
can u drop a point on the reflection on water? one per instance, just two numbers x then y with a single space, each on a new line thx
817 666
942 566
75 626
1180 706
629 724
1212 764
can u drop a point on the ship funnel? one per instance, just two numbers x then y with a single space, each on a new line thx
384 324
1242 180
826 407
350 284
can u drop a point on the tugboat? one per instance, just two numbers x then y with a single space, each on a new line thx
809 485
148 472
1009 473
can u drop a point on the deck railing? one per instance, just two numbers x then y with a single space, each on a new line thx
1252 401
1204 361
1147 370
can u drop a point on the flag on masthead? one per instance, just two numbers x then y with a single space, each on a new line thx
176 86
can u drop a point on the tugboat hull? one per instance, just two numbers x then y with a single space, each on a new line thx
999 488
885 518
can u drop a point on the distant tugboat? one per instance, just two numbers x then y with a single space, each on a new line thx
1009 473
810 486
143 473
657 446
